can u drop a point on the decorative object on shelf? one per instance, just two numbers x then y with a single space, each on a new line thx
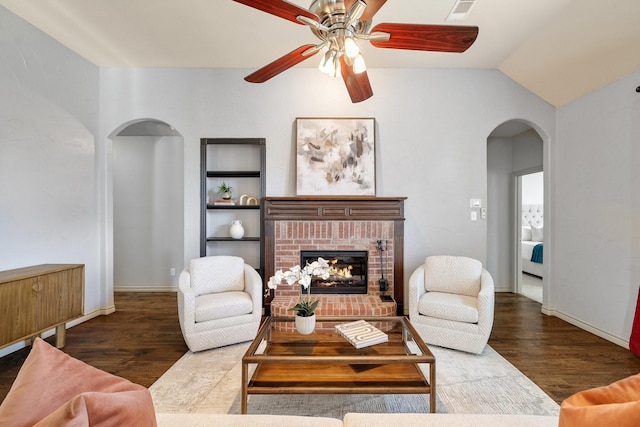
224 202
306 325
236 231
335 157
225 191
247 200
302 276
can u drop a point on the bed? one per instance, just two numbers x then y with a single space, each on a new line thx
531 243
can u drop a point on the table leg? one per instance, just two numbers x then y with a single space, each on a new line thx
245 383
432 381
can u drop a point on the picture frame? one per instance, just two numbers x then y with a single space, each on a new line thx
335 156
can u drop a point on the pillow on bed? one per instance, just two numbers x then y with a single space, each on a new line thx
536 233
526 233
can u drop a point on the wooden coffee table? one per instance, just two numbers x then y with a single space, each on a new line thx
325 363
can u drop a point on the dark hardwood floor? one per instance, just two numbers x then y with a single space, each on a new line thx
559 357
142 339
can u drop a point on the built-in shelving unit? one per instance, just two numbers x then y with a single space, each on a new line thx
240 163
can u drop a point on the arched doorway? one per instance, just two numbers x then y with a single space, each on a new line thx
148 207
514 149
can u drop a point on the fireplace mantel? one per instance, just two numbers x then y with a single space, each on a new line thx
336 208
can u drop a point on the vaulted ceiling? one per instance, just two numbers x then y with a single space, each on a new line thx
558 49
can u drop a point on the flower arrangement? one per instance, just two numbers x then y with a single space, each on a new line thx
302 276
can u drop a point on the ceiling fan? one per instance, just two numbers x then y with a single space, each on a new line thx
339 24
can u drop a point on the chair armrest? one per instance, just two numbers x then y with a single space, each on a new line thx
486 284
486 300
184 281
186 300
253 286
416 289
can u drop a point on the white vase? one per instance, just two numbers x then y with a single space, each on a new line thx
237 230
306 325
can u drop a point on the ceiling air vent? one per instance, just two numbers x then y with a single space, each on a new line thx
460 10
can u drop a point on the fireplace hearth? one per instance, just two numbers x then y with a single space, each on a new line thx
348 271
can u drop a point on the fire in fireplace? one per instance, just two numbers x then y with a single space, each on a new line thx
348 271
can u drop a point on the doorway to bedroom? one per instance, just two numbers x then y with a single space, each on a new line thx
530 201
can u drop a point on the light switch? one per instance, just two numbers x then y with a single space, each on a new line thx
483 213
474 216
475 203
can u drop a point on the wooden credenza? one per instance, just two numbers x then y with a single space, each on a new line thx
35 299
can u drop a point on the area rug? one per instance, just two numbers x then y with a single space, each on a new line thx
210 382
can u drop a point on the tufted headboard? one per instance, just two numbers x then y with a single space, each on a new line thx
532 215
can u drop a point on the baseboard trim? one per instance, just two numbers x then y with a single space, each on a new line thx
145 289
92 315
587 327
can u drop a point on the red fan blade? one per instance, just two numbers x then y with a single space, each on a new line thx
437 38
280 8
373 6
357 84
279 65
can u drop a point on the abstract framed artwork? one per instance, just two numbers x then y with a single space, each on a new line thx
335 156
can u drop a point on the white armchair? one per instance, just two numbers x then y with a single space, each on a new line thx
451 303
219 302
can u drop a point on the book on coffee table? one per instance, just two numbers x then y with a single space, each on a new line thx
361 333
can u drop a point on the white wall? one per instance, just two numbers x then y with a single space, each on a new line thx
533 189
527 151
597 228
148 211
500 212
48 122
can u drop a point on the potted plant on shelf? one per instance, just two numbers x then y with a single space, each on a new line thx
225 191
305 309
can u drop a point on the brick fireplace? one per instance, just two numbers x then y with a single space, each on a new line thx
336 223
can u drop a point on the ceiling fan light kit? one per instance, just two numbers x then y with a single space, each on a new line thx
339 24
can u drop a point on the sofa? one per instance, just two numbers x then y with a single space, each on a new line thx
356 420
55 389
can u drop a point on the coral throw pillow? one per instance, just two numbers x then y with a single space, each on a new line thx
617 404
54 389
